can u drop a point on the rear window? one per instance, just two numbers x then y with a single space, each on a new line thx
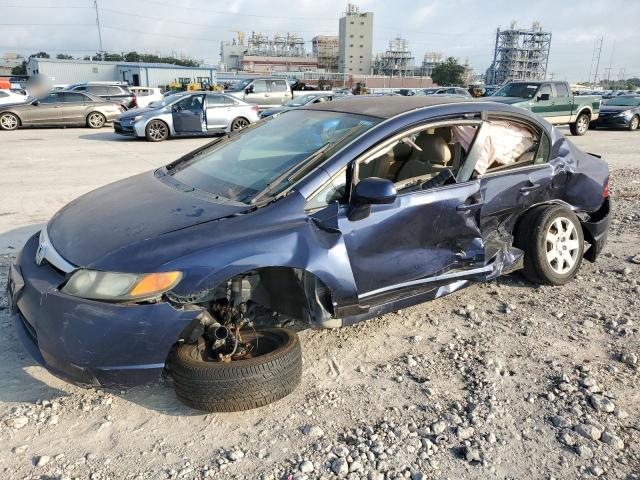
562 90
114 91
97 90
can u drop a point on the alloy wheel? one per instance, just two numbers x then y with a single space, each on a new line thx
562 245
96 120
158 131
635 121
9 122
583 124
239 124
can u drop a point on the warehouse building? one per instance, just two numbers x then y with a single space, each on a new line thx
138 74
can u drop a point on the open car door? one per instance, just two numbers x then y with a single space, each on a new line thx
189 115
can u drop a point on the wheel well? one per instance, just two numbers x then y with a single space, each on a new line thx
240 118
586 110
290 292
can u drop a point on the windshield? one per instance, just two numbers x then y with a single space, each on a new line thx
168 100
240 85
520 90
266 156
624 102
301 101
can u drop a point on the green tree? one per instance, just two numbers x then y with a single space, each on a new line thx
22 68
449 72
64 56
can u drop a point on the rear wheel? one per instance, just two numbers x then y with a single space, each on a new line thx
9 121
270 370
581 125
96 120
553 244
634 123
157 131
239 123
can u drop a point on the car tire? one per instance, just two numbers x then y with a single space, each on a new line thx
581 125
237 385
9 121
96 120
156 131
634 123
553 244
238 124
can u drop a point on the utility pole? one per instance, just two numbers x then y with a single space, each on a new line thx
95 4
610 64
595 75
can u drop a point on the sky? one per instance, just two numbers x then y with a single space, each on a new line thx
460 28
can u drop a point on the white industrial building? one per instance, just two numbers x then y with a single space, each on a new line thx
138 74
355 41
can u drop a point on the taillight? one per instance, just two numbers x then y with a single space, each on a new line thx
605 190
134 102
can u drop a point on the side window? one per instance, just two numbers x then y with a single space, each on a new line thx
52 98
422 160
545 89
215 101
72 97
333 191
279 86
562 90
142 92
81 88
509 144
113 91
192 103
96 90
3 94
260 86
228 101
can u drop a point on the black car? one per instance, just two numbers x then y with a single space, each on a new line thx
620 112
112 92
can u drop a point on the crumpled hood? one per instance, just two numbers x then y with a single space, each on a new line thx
128 212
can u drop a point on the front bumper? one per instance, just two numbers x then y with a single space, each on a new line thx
610 121
85 341
122 129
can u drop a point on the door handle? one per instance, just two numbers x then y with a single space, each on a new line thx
267 95
530 188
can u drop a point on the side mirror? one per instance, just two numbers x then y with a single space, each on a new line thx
370 191
249 89
374 191
35 103
543 97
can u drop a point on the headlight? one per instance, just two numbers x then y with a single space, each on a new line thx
137 118
623 114
114 286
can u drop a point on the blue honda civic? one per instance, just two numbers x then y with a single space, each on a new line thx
325 216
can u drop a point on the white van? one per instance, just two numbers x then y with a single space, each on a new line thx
146 95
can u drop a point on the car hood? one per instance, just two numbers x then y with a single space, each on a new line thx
129 212
139 111
506 100
274 110
615 108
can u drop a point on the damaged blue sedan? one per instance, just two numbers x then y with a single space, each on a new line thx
329 215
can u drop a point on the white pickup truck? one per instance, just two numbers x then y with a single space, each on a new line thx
266 92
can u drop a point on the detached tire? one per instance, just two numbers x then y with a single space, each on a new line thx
553 244
240 384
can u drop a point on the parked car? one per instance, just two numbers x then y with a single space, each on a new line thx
457 91
298 102
187 114
553 101
265 92
60 108
332 213
8 97
620 112
113 92
146 95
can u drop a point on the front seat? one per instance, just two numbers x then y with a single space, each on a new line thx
433 158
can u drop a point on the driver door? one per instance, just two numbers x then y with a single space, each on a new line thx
430 236
544 102
48 111
189 115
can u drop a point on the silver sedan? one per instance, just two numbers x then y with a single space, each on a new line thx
187 114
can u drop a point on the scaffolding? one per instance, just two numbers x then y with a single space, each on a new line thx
326 48
287 45
396 61
519 54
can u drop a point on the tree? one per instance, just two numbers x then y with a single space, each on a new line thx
64 56
449 72
22 68
40 55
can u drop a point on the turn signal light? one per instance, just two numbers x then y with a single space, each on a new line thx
154 283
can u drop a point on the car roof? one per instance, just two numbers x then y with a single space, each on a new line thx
383 106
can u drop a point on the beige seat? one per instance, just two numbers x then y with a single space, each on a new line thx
378 167
432 159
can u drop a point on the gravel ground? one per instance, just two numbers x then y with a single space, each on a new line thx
501 380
